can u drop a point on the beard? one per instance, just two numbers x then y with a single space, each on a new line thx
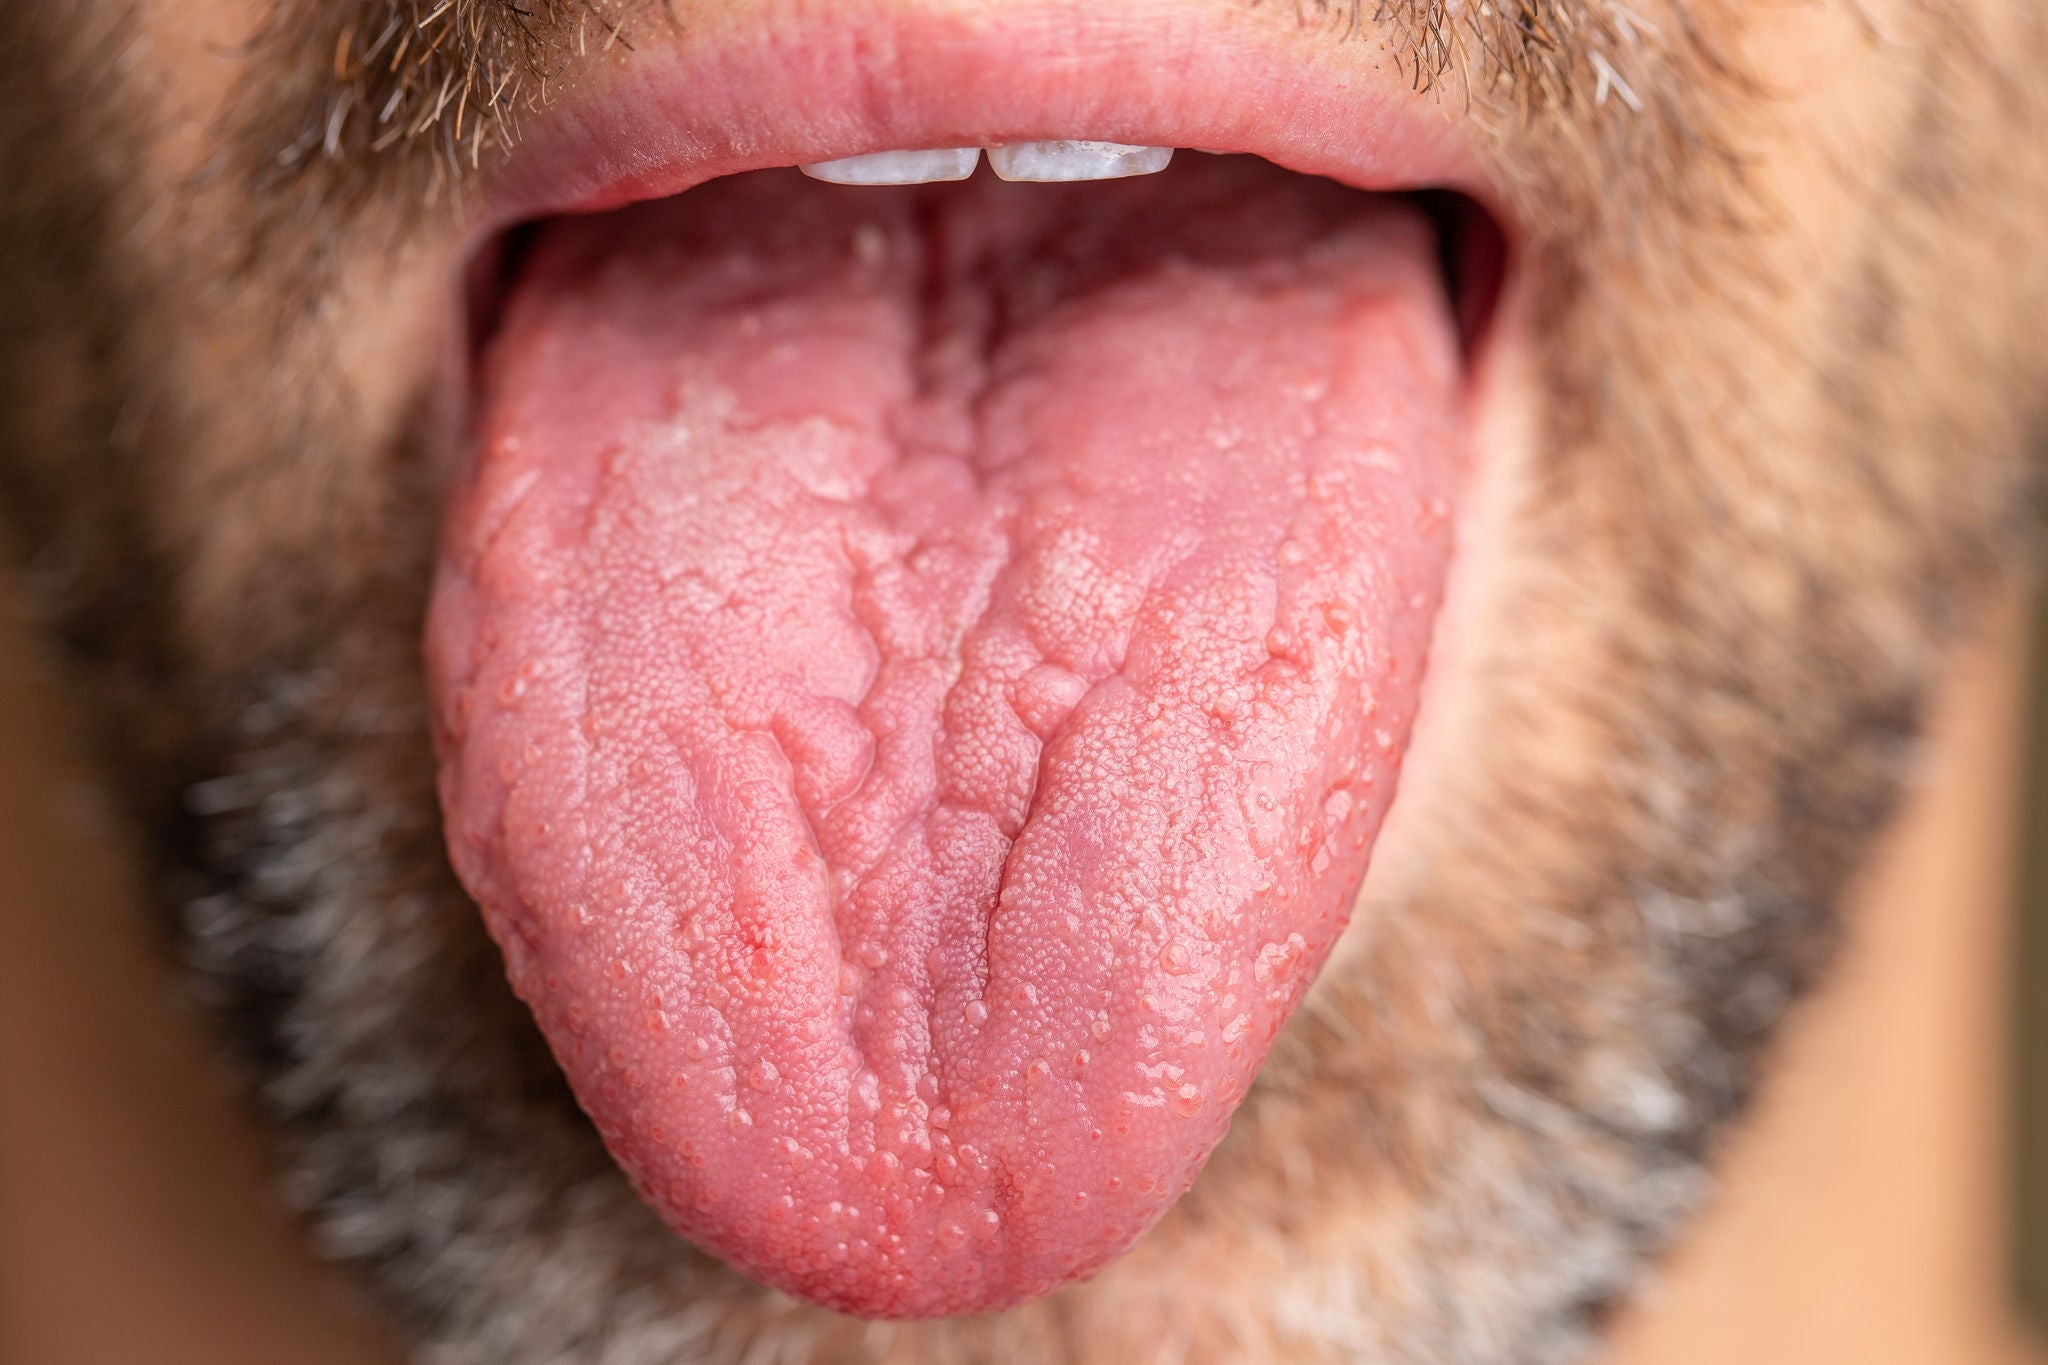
1781 451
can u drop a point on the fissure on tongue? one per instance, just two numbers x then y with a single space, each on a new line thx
917 676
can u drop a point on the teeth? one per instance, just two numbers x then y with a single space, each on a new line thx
897 168
1060 159
1072 160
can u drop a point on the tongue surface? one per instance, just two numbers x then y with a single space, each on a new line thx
917 676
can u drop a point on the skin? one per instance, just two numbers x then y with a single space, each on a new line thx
1759 438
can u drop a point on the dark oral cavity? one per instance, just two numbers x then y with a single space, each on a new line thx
918 673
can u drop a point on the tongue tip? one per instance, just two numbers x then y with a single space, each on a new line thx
909 1275
1032 1208
885 1293
895 1251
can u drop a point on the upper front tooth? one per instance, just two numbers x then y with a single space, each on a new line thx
1066 159
897 168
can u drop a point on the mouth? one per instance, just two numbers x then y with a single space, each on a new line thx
923 643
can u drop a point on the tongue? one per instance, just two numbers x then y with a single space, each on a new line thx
917 676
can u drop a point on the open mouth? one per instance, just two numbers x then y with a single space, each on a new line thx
919 669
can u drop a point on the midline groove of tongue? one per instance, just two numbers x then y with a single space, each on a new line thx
913 787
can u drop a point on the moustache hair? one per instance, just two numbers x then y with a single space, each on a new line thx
432 89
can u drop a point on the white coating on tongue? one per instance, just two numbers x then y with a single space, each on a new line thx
917 675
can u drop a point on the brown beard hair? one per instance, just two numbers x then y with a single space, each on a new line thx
1507 1100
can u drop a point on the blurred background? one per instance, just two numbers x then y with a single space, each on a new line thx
2030 1003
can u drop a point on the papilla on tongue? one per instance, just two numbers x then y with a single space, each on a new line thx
917 675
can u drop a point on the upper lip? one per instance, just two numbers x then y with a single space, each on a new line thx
784 82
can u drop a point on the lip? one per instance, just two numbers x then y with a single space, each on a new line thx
774 83
786 82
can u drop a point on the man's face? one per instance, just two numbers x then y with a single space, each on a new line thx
841 722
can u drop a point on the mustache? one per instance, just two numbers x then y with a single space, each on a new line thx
453 75
429 91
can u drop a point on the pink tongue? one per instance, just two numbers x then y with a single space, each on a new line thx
918 674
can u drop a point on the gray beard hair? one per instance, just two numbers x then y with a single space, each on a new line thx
1505 1164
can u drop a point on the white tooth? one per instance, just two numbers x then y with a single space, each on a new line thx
1071 160
897 168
